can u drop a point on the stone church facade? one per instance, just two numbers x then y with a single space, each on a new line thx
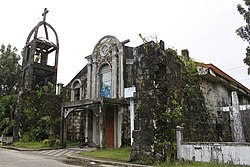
96 94
95 106
95 101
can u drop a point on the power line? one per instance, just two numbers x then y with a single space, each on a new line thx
244 79
235 68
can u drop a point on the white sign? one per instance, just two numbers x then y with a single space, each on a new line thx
129 92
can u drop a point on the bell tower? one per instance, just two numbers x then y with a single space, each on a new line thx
39 67
40 56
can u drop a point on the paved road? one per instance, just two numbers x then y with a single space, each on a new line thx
12 158
58 152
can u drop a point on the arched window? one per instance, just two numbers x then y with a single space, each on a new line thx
76 91
105 81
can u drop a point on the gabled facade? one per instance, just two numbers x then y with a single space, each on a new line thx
96 94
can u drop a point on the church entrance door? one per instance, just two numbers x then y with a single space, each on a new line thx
110 127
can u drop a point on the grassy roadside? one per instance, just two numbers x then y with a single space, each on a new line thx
195 164
40 145
30 145
121 154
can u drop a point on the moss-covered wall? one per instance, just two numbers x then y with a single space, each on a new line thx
167 94
40 115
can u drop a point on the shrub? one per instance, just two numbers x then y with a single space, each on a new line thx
35 135
52 142
57 142
45 142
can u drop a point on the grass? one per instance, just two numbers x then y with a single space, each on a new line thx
72 144
31 145
120 154
123 154
40 145
195 164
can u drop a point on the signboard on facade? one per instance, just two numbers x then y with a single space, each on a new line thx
129 92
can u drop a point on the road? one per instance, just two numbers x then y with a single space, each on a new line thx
59 153
13 158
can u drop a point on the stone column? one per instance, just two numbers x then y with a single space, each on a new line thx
101 119
93 78
179 136
121 82
238 134
86 124
31 62
62 126
89 78
59 88
114 75
72 93
94 124
119 126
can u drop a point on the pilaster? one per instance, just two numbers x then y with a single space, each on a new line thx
89 78
114 75
94 78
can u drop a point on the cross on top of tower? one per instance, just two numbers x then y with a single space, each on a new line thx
44 14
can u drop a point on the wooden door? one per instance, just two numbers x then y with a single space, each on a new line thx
110 128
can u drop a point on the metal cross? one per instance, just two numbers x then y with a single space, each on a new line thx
44 14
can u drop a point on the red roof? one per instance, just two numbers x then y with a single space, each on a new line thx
222 74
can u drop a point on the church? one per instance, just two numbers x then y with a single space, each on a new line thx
96 107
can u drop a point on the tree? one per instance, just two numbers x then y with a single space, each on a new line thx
9 78
7 108
244 31
9 70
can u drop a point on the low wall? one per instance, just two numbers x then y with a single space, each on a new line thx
6 140
223 152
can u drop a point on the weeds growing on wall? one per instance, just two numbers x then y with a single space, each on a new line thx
168 95
41 115
180 102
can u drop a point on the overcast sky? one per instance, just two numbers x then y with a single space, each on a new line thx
205 27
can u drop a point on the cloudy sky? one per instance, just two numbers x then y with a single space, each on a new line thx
205 27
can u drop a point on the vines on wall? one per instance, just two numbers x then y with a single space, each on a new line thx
40 118
168 94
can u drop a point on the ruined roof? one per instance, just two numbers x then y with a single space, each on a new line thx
215 72
79 75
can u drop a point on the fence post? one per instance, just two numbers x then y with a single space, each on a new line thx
179 137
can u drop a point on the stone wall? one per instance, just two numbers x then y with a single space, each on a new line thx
220 152
73 126
232 153
167 94
215 94
245 119
143 136
39 112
